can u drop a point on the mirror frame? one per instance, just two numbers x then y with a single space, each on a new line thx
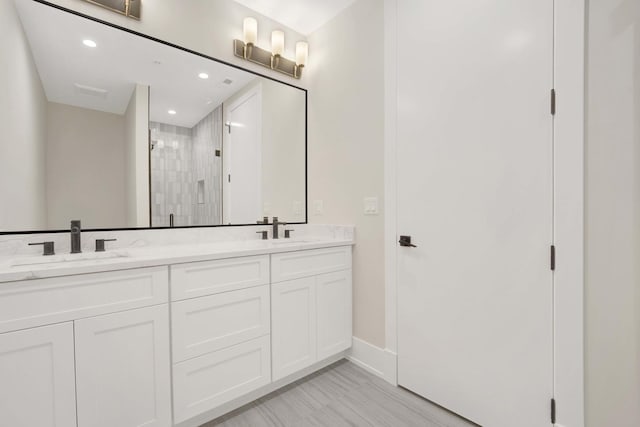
202 55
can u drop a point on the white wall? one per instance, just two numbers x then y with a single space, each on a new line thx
613 214
85 168
346 144
22 121
136 137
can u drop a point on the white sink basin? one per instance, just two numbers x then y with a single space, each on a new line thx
291 241
55 259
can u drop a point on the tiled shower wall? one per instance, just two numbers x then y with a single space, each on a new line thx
180 159
207 167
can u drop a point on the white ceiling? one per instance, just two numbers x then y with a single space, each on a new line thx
303 16
119 62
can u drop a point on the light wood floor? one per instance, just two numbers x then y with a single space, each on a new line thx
340 395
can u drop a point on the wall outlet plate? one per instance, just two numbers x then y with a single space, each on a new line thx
371 206
318 207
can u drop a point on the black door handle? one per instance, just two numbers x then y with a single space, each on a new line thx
406 242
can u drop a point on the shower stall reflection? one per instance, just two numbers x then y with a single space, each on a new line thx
186 172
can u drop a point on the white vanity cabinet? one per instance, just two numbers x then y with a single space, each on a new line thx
92 348
173 345
37 383
311 302
221 325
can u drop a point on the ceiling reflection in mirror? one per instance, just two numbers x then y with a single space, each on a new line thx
122 131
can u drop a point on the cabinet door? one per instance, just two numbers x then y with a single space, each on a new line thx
293 329
123 369
37 381
334 313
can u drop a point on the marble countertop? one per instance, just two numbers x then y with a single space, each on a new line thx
28 267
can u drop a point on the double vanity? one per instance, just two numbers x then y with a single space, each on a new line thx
188 314
168 335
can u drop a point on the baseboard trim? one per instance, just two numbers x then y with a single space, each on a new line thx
378 361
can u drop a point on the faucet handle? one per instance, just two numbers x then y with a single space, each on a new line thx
100 244
48 247
265 221
264 234
287 233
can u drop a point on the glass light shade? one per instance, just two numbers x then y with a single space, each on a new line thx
250 28
277 42
302 53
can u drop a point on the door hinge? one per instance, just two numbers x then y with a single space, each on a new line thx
553 411
553 102
553 258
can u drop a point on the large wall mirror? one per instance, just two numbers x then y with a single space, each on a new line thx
122 131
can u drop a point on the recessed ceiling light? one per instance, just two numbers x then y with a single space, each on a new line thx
203 76
173 112
227 81
89 43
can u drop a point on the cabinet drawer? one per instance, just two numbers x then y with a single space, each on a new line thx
207 324
45 301
206 382
198 279
295 265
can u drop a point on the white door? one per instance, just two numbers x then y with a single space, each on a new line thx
242 183
37 379
293 326
333 295
475 193
123 369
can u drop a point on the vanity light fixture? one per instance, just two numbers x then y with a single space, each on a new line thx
273 59
130 8
89 43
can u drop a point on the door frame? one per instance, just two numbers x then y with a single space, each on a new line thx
227 107
569 121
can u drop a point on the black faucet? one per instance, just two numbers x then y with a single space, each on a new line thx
76 242
276 225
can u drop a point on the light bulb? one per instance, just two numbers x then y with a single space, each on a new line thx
250 28
302 53
277 42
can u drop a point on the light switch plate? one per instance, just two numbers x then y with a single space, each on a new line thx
318 207
371 206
